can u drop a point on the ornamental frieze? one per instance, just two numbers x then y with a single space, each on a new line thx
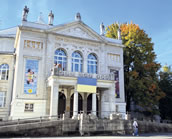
33 44
77 41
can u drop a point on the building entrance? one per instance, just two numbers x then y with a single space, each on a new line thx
62 104
80 104
89 104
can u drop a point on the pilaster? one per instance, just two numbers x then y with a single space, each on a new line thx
94 103
75 104
54 99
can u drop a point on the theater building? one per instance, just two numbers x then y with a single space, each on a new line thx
49 70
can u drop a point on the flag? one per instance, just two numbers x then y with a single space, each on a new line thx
87 85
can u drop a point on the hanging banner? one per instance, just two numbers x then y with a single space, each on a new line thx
31 74
88 85
117 84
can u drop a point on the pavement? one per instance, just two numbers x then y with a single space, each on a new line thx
141 136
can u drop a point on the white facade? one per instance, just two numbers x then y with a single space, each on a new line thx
56 91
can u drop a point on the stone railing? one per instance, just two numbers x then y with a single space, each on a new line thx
57 72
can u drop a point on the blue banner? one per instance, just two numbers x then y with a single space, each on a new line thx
31 74
87 81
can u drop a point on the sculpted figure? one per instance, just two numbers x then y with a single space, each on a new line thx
119 34
102 29
50 18
25 13
78 17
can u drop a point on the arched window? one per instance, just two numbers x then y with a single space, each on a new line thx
61 59
76 62
4 69
92 64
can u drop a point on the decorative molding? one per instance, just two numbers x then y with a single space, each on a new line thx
57 72
74 41
114 57
77 32
33 44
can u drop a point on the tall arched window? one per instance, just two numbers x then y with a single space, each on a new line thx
4 70
76 62
61 59
92 64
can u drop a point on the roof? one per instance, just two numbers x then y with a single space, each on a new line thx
11 32
8 33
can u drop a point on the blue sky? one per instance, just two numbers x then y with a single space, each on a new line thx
154 16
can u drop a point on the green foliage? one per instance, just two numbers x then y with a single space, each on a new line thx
140 70
166 103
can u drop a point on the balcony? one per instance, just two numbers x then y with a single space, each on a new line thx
57 72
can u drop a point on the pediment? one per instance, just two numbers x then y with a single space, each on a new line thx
77 29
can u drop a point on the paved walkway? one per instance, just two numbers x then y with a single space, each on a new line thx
142 136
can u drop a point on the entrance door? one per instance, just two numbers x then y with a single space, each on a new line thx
80 104
62 104
89 104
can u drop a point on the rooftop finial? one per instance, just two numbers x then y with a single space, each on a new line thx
119 33
50 18
102 29
40 19
78 17
25 13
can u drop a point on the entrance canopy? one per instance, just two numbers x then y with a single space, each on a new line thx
87 85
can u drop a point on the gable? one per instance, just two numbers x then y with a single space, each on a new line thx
77 29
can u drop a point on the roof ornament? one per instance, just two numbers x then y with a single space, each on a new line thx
119 33
25 13
50 18
78 17
102 29
40 19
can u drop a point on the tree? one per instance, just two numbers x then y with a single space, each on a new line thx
140 68
166 85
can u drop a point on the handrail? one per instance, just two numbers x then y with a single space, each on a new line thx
58 72
29 120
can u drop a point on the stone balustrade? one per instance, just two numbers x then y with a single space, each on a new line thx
58 72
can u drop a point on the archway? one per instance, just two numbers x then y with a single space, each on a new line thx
80 104
89 104
62 104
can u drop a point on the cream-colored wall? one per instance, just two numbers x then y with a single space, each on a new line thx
7 44
45 55
22 54
20 113
6 85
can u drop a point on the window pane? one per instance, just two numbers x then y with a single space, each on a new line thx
2 99
81 68
77 60
59 58
76 67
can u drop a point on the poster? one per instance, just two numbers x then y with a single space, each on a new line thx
117 84
31 76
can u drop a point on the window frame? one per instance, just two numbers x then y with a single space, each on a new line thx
62 61
3 103
29 107
4 68
77 62
92 63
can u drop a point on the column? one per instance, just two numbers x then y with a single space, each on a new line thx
69 63
85 103
85 64
54 100
75 104
68 101
112 99
94 103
